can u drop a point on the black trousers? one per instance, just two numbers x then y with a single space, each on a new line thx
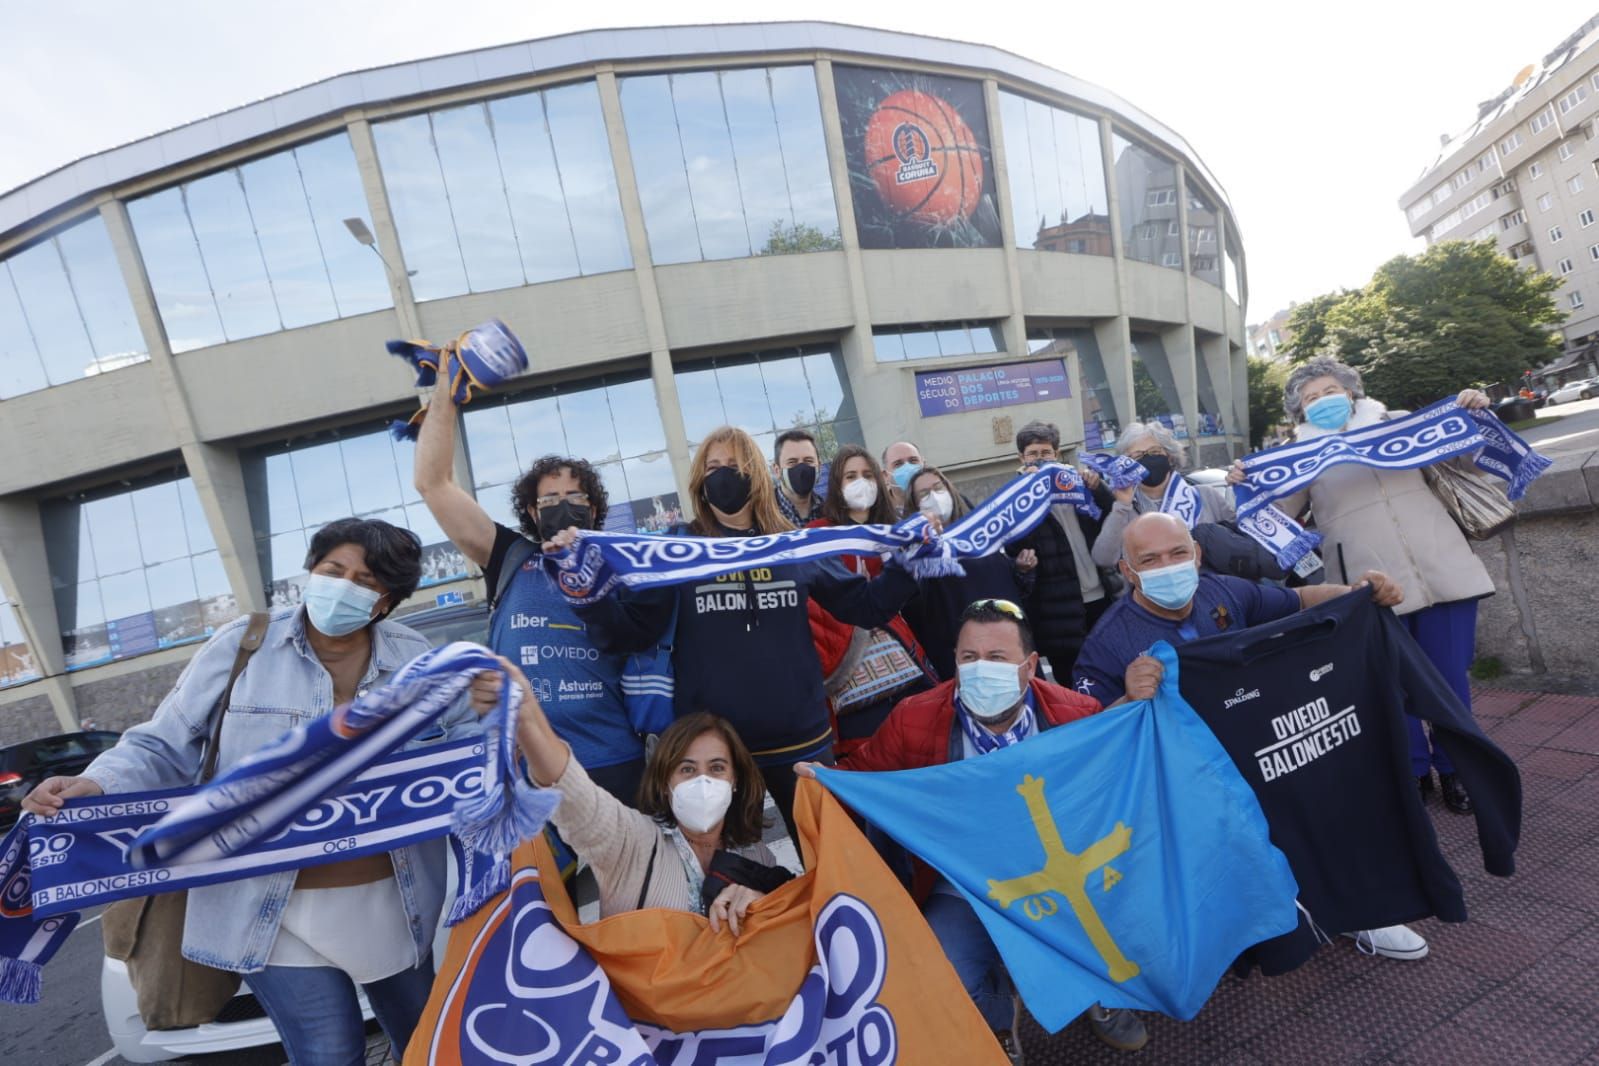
781 783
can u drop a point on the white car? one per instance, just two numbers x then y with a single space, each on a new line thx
1586 389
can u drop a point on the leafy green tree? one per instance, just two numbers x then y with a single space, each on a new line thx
1266 380
799 237
1307 325
1428 325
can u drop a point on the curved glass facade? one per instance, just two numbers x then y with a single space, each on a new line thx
1057 177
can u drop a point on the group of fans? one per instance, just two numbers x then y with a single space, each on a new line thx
849 661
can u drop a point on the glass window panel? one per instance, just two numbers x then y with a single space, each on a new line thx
533 188
712 172
1203 260
171 583
288 239
404 452
115 533
744 396
1146 186
536 429
124 595
194 520
420 521
17 664
477 198
69 544
829 396
752 127
1057 178
370 471
921 344
210 578
20 369
650 475
233 262
889 345
799 126
636 413
587 176
319 479
489 445
658 166
82 607
987 339
59 334
102 294
158 516
1232 274
333 190
1210 410
701 401
954 340
421 208
282 497
787 392
177 273
587 419
1023 168
286 555
1154 388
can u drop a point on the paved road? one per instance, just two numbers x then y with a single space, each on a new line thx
1577 429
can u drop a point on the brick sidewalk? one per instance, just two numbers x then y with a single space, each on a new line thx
1518 983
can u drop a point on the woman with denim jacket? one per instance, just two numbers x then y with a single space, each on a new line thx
303 938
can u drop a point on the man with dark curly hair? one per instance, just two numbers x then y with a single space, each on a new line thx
578 685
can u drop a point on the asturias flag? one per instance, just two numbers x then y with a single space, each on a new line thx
834 968
1120 859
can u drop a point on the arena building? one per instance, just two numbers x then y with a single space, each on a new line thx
873 234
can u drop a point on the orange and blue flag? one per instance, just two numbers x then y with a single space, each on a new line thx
1120 859
835 967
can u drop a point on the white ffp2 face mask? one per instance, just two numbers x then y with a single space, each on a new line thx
860 494
939 502
701 804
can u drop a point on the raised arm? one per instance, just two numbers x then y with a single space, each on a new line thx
462 518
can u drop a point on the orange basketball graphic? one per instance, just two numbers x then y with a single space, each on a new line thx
927 165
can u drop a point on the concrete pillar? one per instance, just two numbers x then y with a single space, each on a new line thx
25 579
638 243
214 469
1015 324
1213 350
1179 344
860 354
383 228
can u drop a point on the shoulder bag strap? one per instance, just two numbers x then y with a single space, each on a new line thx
518 552
649 869
254 633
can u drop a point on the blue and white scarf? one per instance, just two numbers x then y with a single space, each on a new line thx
264 794
53 868
601 561
983 741
1431 435
1182 499
1117 471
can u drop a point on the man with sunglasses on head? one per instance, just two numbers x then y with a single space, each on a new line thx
999 698
532 624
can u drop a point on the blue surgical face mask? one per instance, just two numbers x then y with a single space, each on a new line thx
990 690
1330 412
338 607
1171 586
905 473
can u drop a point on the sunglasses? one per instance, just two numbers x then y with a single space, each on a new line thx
1002 606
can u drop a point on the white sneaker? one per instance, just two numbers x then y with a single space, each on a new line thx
1394 941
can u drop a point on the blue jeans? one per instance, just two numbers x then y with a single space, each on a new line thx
319 1018
1447 635
977 963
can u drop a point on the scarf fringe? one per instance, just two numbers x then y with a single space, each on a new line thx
19 981
478 892
1305 542
499 819
935 566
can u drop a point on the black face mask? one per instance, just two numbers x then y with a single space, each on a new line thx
726 489
562 516
1158 466
801 479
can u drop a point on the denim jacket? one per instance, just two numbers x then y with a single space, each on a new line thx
232 926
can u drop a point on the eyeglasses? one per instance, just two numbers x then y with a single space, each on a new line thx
1002 606
580 499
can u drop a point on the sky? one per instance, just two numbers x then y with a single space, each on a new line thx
1313 117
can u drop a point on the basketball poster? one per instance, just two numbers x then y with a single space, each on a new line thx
921 172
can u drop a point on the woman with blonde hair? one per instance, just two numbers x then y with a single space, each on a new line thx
741 643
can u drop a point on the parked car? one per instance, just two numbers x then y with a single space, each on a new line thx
243 1023
1586 389
24 765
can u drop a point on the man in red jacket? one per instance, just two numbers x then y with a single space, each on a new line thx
997 700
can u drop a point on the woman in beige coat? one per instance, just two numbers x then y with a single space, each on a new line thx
1389 520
